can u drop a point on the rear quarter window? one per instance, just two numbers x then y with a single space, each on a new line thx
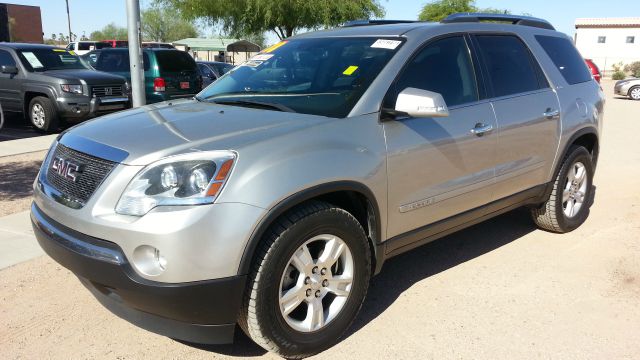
566 58
175 61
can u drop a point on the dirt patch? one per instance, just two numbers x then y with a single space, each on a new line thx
16 181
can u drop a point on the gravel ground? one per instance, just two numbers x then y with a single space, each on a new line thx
499 290
16 181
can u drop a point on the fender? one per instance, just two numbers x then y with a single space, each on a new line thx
302 196
572 139
38 88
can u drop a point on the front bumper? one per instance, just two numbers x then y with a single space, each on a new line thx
200 312
84 108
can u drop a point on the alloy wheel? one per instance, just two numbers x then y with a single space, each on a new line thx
573 195
38 116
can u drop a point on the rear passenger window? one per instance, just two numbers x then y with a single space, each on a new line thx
566 58
510 66
443 67
175 61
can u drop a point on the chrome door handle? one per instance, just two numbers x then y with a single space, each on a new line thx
551 114
481 129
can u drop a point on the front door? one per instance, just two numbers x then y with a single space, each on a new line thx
437 167
10 85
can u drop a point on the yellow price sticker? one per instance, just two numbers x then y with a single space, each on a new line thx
273 47
350 70
60 50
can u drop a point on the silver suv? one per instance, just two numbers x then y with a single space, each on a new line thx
273 197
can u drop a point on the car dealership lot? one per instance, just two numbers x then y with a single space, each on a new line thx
501 289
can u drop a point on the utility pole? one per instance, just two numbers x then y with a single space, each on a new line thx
135 53
69 21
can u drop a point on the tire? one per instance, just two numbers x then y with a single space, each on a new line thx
558 214
261 316
42 114
634 93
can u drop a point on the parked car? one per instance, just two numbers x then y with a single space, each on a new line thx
271 198
48 84
169 74
628 88
156 45
595 72
83 47
117 43
212 70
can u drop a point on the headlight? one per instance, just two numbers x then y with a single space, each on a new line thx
127 87
189 179
74 89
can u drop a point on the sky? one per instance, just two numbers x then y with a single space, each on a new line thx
91 15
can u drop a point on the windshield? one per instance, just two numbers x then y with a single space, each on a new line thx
49 59
312 76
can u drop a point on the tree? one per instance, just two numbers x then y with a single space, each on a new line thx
110 32
438 10
161 24
283 17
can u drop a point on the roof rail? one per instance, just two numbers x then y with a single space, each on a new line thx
514 19
366 22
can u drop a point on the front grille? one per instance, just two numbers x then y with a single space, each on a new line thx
92 172
108 90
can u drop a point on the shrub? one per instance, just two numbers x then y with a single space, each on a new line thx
633 68
618 75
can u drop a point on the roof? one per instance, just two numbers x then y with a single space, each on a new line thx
214 44
23 46
371 30
608 22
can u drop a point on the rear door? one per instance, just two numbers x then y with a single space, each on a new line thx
180 73
527 112
437 167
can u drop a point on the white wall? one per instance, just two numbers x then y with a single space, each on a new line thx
613 51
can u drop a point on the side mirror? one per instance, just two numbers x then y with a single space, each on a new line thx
421 103
8 69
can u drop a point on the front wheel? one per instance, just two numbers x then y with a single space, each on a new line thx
568 205
308 281
42 114
634 93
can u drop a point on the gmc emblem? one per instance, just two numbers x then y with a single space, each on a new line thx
66 169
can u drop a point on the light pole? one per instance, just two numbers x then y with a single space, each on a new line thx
69 21
135 53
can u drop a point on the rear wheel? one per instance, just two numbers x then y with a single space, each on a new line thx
568 205
634 93
43 114
308 281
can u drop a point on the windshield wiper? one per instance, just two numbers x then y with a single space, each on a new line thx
257 104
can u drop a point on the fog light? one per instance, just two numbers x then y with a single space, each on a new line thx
149 261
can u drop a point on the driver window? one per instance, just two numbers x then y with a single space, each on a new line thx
444 67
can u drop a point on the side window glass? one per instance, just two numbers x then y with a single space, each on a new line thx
566 58
509 64
205 70
444 67
6 59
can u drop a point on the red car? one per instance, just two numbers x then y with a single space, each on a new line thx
594 69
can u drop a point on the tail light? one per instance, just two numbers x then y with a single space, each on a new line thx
159 84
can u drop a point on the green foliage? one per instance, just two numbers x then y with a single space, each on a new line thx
110 32
633 68
438 10
164 25
284 17
618 75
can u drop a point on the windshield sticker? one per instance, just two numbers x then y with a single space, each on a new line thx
262 57
350 70
60 50
72 53
253 63
33 60
386 44
273 47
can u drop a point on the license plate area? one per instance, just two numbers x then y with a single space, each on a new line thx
184 85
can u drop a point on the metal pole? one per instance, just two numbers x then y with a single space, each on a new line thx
135 53
69 22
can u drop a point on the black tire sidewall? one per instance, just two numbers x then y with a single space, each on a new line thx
578 154
50 119
325 222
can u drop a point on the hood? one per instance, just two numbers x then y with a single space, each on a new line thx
151 132
90 77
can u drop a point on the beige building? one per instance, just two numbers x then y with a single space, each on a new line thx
608 41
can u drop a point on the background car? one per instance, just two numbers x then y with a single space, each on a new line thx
83 47
156 45
628 88
594 69
169 74
48 84
117 43
212 70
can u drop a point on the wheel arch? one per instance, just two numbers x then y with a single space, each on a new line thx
352 196
31 93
